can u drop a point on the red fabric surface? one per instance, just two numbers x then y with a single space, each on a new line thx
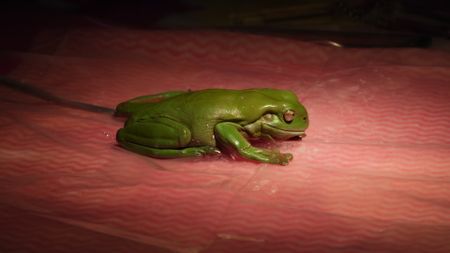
373 175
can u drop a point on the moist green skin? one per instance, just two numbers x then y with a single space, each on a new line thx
194 123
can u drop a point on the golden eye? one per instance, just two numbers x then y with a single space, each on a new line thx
289 116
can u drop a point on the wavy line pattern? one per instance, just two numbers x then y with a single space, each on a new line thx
372 176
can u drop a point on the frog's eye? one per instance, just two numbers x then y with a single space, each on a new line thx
289 116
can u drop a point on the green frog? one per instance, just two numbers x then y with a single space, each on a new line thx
196 123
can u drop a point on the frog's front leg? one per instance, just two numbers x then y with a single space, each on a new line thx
229 134
161 138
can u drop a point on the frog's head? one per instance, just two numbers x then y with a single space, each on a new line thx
290 123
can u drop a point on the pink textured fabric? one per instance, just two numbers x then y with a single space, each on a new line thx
373 175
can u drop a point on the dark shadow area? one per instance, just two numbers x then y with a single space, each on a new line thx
347 23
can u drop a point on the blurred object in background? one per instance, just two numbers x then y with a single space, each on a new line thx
343 23
377 23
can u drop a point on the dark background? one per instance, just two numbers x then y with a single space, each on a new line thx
351 23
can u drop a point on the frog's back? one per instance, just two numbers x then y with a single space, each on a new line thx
199 105
218 105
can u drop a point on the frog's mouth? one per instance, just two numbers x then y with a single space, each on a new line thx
285 133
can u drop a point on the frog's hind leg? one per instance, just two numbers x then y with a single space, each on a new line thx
169 153
162 138
133 105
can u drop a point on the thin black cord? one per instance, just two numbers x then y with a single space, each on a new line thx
47 96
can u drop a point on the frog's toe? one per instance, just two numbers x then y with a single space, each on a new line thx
200 151
210 150
286 158
282 158
192 152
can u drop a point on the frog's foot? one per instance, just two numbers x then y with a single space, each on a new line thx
169 153
265 155
200 151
